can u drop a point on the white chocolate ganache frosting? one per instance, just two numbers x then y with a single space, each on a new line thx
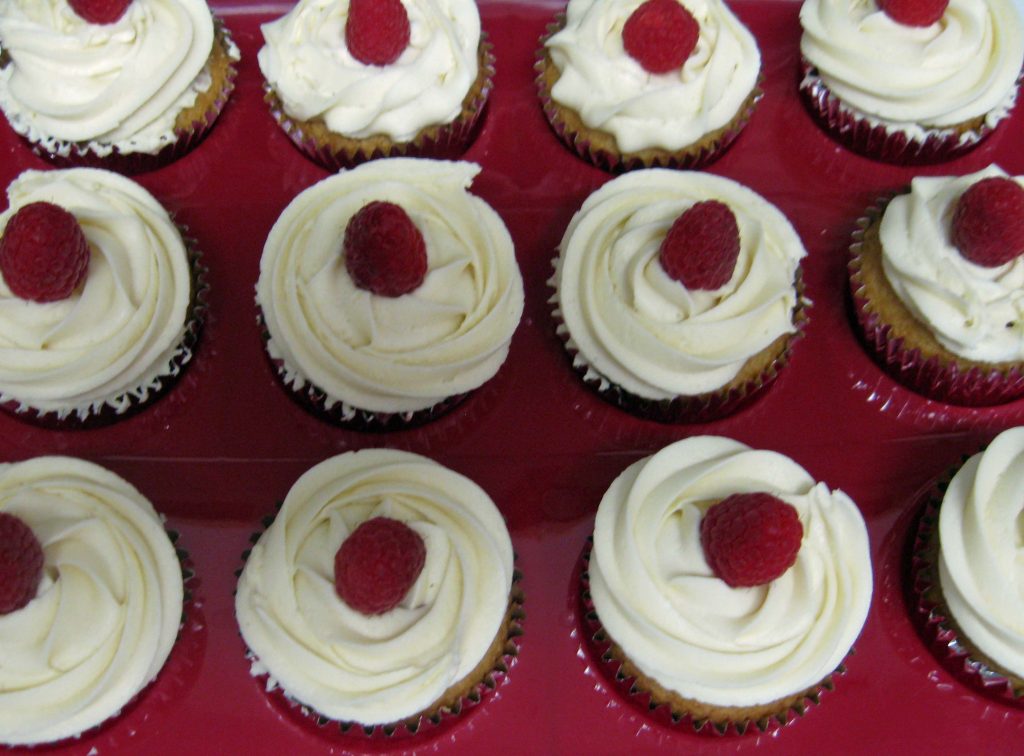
646 332
377 669
391 354
120 333
981 569
119 85
962 67
974 311
108 607
687 629
307 64
613 93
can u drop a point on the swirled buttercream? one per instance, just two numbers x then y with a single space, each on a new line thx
973 311
119 85
391 354
307 64
120 333
687 629
646 332
613 93
963 67
108 607
384 668
981 550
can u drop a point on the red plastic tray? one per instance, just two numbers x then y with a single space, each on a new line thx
227 443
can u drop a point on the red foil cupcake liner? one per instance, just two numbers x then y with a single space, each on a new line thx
616 162
599 644
931 377
447 141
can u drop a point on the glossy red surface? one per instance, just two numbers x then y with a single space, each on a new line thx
226 443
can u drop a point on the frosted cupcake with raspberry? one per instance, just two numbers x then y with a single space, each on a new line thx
678 293
911 80
100 304
90 597
123 84
936 275
388 292
354 80
726 583
382 594
629 84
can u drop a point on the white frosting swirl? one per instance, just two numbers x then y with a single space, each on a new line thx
974 311
391 354
108 608
646 332
687 629
961 67
384 668
107 85
306 62
612 92
981 550
117 333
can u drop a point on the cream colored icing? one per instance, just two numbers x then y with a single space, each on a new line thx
307 64
391 354
612 92
687 629
116 85
974 311
981 557
640 329
963 66
384 668
107 610
119 332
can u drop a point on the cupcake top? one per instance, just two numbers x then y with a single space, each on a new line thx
308 64
980 568
446 336
688 629
384 667
612 91
118 85
974 311
117 331
648 332
961 67
107 609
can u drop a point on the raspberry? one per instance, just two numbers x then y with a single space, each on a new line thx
43 253
751 538
21 563
377 31
660 35
914 12
100 11
988 222
377 565
701 247
384 251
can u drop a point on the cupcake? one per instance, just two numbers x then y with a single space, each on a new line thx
910 81
382 594
678 293
968 574
90 597
361 79
127 85
388 292
100 303
936 276
726 585
629 84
